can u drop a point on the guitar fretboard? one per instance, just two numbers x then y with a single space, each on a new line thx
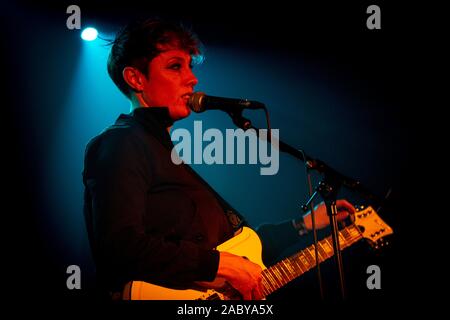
290 268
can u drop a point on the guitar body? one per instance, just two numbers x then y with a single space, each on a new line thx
246 244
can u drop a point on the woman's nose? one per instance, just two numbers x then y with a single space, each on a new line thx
191 79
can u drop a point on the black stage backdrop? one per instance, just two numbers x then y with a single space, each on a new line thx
362 126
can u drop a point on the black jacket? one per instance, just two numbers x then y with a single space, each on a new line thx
147 218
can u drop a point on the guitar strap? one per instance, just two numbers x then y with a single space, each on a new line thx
236 220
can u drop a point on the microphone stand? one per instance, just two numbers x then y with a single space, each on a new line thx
328 188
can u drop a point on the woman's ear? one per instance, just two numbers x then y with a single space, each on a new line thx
134 78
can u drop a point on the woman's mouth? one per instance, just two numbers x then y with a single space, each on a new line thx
186 97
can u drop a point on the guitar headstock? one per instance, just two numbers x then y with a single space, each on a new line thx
372 227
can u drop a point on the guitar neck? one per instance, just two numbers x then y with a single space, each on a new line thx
294 266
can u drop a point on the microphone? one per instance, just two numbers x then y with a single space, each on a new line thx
200 102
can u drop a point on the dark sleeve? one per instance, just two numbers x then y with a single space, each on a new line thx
275 239
118 177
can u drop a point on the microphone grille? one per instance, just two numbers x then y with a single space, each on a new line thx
195 102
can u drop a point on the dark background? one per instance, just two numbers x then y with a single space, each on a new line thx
362 126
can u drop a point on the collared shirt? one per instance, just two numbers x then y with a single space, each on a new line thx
147 218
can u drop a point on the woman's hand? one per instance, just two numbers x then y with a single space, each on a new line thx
242 274
344 208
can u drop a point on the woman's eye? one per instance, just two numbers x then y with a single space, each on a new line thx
175 66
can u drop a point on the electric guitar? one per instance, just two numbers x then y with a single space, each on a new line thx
367 225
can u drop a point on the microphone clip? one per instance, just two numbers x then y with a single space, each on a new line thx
239 120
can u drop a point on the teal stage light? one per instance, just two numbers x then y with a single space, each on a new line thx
89 34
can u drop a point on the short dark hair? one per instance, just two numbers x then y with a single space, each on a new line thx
140 41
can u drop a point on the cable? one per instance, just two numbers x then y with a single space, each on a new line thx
269 129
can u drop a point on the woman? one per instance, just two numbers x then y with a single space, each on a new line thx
147 218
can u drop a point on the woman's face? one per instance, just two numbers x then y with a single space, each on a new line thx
170 82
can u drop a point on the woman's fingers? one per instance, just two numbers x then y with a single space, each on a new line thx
345 206
342 215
